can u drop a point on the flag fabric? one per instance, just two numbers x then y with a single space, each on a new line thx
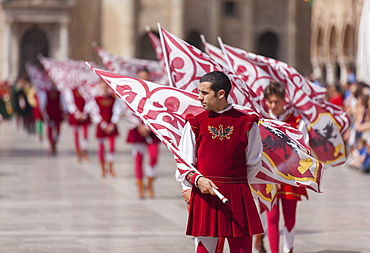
131 66
163 109
187 64
156 43
325 121
38 77
70 74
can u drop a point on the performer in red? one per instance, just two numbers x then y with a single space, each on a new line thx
288 196
224 144
105 111
33 100
53 108
78 118
143 141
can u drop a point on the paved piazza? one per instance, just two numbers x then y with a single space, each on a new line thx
54 204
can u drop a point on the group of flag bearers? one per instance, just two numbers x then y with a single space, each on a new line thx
103 109
147 127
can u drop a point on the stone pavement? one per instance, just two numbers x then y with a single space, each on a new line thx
56 205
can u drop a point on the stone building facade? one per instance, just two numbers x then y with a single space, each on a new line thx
334 39
66 28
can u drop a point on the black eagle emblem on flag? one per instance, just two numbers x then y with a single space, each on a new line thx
221 132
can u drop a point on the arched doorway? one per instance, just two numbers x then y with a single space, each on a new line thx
195 40
33 42
268 45
146 50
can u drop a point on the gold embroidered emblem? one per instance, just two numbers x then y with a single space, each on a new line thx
221 132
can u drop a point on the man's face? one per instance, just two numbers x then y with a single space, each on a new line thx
143 75
275 104
208 98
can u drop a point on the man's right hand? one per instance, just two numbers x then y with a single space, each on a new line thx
205 185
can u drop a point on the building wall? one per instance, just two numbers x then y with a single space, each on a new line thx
119 26
2 48
85 27
334 38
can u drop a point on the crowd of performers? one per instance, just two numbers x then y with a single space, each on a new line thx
32 108
36 109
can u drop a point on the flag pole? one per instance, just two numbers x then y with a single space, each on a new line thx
203 38
165 55
226 54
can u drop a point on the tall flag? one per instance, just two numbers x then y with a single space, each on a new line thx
326 122
163 109
187 64
38 77
131 66
70 74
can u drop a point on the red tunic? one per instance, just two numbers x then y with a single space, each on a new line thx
37 115
134 136
289 191
53 106
105 104
80 104
222 141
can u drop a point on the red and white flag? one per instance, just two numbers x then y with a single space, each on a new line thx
131 66
187 64
38 77
70 74
156 43
163 109
325 121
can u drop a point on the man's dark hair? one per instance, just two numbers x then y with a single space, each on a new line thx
144 69
219 81
274 88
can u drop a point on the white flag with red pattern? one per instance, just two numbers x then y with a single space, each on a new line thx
325 121
163 109
71 74
187 64
131 66
38 77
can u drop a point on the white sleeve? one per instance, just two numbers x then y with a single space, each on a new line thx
70 100
133 121
188 148
117 110
253 152
302 127
93 110
63 103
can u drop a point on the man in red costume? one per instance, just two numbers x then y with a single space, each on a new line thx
78 118
105 111
53 108
287 195
143 142
225 146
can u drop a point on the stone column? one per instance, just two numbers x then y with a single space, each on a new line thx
330 73
63 39
177 18
248 14
214 22
7 45
292 32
